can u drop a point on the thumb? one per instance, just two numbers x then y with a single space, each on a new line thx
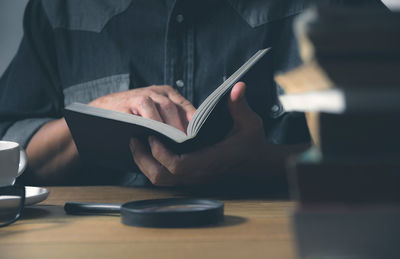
238 107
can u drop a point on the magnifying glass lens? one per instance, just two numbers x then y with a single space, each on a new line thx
174 212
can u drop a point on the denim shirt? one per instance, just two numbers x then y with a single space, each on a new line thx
77 51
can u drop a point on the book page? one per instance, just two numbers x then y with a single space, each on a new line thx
160 127
211 101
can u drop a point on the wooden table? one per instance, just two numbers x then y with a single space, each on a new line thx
253 228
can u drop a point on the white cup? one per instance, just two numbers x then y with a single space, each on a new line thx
13 162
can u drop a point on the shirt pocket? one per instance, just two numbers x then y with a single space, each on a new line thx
86 15
259 12
88 91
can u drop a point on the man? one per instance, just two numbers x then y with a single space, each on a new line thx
157 59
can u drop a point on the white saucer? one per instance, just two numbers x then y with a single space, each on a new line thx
33 195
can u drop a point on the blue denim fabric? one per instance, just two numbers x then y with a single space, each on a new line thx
88 15
76 50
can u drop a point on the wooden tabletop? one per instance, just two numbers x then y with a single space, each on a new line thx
253 228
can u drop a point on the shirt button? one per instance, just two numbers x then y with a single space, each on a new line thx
179 18
275 108
180 83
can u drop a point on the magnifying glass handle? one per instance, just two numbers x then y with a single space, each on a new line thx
91 208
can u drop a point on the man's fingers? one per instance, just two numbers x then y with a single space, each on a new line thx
149 166
237 91
169 112
146 108
167 158
187 108
238 106
195 167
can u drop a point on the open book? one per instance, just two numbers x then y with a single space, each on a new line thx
101 133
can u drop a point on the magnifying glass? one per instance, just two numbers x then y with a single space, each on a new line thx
171 212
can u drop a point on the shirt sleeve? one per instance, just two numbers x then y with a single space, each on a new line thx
30 91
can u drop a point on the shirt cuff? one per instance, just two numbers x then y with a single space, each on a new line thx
23 130
291 128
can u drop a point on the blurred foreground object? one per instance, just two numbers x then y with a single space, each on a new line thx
347 184
351 64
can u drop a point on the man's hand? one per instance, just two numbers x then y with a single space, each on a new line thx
244 150
160 103
52 153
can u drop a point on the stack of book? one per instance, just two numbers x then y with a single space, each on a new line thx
348 185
